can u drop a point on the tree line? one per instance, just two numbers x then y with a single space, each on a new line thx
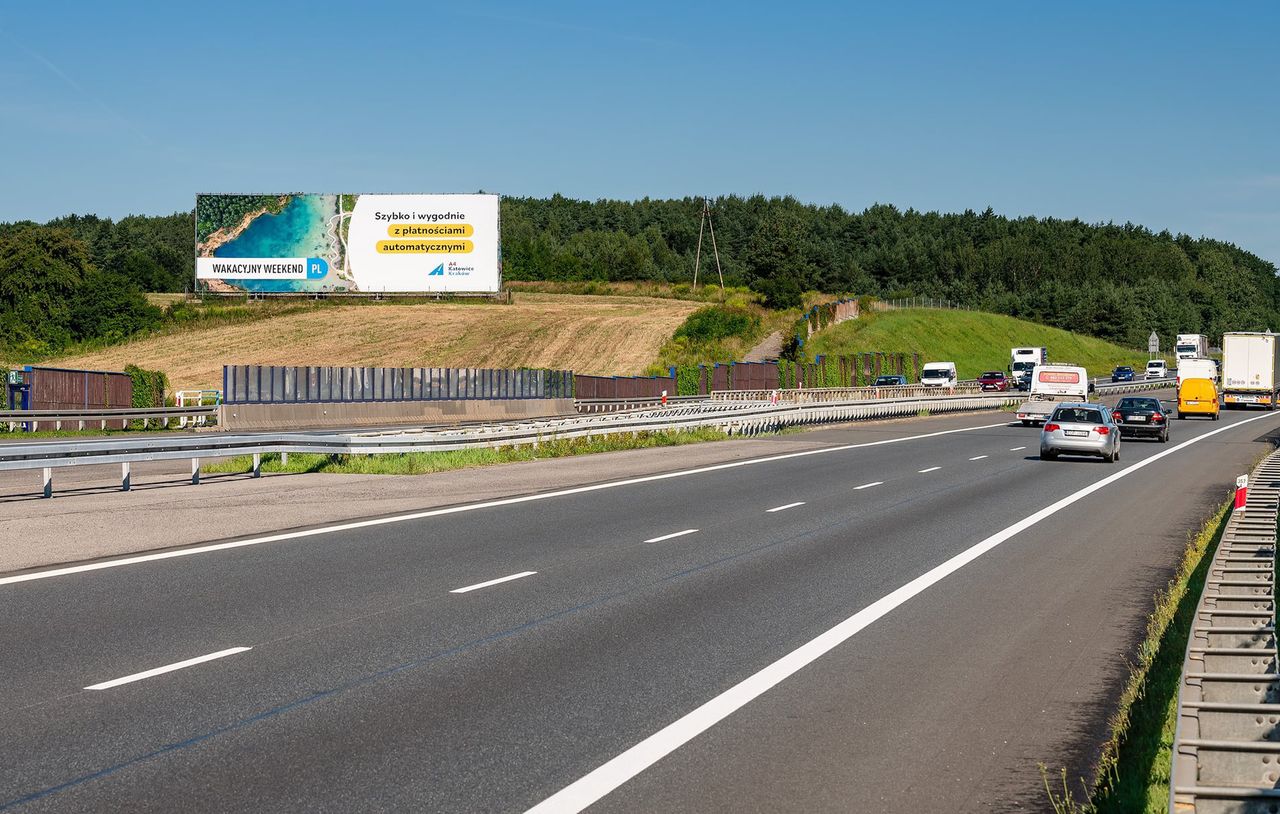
82 277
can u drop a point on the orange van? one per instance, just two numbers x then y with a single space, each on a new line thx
1197 397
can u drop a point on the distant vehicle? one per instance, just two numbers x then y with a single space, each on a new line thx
1249 362
1157 369
939 374
1123 373
1191 346
1052 385
993 380
1142 416
1197 369
1022 361
890 381
1080 429
1198 397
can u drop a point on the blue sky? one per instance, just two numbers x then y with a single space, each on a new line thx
1165 114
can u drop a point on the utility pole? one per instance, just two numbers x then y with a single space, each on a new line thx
697 257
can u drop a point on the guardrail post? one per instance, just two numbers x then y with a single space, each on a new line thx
48 481
257 464
284 459
195 471
124 476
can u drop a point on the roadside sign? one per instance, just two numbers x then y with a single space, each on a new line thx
1153 343
15 377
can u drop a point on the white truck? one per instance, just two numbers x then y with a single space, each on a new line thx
1191 346
1197 369
1021 363
1051 385
1249 362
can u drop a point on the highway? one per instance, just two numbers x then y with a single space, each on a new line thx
886 625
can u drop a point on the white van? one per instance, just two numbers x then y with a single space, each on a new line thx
1157 369
939 374
1197 369
1051 385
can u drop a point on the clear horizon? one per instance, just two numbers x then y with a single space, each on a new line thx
1159 114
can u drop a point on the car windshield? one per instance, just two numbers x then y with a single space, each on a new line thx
1124 370
887 380
1078 415
935 374
1138 404
1155 364
992 374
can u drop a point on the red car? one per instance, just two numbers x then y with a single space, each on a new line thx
993 380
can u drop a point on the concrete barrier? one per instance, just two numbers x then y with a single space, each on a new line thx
385 413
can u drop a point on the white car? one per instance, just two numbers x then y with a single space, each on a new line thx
1157 369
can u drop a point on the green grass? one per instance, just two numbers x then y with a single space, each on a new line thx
975 341
421 463
1133 773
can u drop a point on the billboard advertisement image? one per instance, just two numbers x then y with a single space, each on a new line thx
373 243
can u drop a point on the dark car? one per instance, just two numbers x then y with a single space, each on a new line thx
993 380
890 381
1123 373
1142 417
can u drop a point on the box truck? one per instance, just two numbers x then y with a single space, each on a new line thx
1191 346
1022 361
1249 362
1051 385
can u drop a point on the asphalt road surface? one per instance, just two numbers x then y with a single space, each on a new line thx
898 626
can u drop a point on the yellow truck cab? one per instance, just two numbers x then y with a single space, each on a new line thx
1197 397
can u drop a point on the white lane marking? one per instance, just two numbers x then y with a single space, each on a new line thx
467 507
599 782
1015 449
479 585
168 668
930 469
788 506
977 457
868 485
672 535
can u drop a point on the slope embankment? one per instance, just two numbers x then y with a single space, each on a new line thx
595 335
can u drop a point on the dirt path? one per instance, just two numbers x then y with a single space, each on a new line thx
769 348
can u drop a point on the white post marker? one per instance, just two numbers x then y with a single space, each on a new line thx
195 471
124 476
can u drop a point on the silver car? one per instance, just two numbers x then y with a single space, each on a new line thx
1081 429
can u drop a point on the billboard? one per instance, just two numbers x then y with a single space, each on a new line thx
371 243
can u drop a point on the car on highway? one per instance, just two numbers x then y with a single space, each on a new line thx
1142 417
939 374
890 381
1157 369
1198 396
1123 373
1080 428
993 380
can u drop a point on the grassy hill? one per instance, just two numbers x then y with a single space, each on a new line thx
600 335
975 341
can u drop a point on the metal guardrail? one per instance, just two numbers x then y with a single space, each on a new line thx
1226 749
80 418
733 417
632 403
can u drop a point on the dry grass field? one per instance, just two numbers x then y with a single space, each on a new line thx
586 334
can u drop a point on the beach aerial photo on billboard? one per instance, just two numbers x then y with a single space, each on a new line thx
370 243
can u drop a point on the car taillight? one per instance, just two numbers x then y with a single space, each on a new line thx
1051 428
1156 418
1102 430
1117 417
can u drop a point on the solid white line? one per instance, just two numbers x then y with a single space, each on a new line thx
1015 449
116 682
469 507
672 535
520 575
977 457
930 469
788 506
868 485
601 781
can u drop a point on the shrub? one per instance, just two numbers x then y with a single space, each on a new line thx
717 322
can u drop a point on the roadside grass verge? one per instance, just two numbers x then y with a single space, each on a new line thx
421 463
1133 773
